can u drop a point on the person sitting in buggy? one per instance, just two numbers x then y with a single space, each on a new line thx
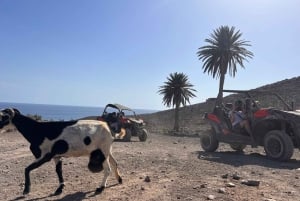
238 118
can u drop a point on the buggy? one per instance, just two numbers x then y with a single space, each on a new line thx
277 130
124 120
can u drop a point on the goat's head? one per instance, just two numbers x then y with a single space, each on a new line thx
7 115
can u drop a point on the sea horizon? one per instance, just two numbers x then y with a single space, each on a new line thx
60 112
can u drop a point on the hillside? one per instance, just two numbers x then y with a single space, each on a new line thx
191 121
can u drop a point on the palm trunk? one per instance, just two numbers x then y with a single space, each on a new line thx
176 123
221 85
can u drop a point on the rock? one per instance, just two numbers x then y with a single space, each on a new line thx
250 182
203 186
147 179
211 197
222 190
231 185
225 176
236 176
289 192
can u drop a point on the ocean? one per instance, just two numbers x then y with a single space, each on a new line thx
59 112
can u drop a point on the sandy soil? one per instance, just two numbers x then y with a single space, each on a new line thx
177 169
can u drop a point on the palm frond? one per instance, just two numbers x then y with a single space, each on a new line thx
177 90
224 51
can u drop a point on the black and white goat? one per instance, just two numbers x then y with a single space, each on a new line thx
53 140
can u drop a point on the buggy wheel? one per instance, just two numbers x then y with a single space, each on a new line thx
278 145
127 136
237 147
209 142
143 135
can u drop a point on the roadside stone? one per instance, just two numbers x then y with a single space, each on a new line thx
225 176
203 186
235 176
147 179
222 190
211 197
231 185
250 182
290 192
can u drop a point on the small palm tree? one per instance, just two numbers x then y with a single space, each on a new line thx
176 91
224 51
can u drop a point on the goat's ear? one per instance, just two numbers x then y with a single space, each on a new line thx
16 111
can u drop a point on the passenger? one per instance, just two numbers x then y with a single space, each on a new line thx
238 118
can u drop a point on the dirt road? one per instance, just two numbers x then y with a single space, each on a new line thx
162 168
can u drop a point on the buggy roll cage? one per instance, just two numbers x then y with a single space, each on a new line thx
247 92
119 107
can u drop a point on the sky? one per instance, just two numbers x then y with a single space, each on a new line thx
90 53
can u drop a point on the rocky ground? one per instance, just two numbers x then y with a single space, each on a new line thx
162 168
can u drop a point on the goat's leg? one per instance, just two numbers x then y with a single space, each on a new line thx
31 167
58 169
114 164
107 170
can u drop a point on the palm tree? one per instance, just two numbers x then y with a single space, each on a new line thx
176 90
224 51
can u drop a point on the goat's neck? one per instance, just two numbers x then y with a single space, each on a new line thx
26 126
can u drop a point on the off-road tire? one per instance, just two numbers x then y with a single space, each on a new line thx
238 147
209 142
127 137
143 135
278 145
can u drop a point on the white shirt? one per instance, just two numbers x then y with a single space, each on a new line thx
238 117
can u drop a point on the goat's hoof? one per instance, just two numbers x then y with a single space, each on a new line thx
120 180
59 190
26 191
99 190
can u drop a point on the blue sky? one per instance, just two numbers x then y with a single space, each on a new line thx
90 53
